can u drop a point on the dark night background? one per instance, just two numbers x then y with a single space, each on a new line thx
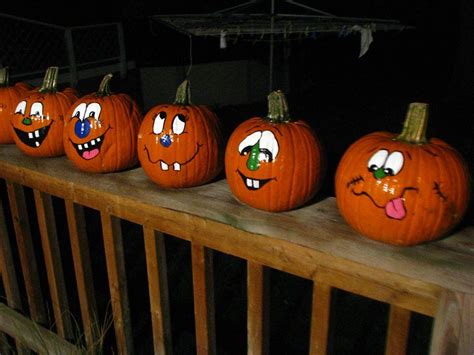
343 97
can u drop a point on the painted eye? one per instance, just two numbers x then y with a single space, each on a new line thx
179 123
246 145
377 160
394 163
36 109
159 122
20 108
269 146
79 111
93 111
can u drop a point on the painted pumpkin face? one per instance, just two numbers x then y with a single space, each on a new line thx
9 97
273 166
401 192
179 145
38 121
100 131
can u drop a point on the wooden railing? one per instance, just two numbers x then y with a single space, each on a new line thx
313 242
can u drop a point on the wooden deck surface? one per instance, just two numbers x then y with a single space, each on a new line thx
313 241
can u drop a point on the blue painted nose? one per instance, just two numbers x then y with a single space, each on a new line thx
165 140
82 128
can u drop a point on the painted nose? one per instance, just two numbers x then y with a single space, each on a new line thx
82 128
165 140
380 173
252 162
26 121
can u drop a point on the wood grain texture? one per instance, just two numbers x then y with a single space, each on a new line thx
398 331
320 316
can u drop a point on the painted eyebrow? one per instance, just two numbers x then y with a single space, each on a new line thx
408 154
430 152
250 129
374 149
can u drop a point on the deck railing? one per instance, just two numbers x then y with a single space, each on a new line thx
313 242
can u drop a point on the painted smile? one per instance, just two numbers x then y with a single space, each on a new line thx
35 138
89 150
253 184
172 166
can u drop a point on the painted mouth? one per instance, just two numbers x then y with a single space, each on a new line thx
174 166
253 184
89 150
35 138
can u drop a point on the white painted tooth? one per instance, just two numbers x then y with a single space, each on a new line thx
93 142
79 147
37 133
249 182
256 184
98 139
164 166
37 144
86 145
30 135
177 166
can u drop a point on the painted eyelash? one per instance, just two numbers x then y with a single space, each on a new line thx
355 180
438 192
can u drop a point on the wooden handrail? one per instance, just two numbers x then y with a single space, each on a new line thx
312 242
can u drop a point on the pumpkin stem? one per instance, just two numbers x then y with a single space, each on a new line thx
278 107
104 87
50 81
183 94
414 127
4 77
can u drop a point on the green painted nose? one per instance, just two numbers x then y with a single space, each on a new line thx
380 173
252 162
26 121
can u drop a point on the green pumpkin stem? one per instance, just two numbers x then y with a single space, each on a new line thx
104 88
4 77
50 81
278 107
414 127
183 94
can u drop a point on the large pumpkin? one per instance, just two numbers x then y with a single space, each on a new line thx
9 97
402 189
180 144
274 163
38 121
100 133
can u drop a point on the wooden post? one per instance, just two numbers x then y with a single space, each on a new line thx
398 331
320 318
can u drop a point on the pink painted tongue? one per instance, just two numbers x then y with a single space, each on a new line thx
90 154
396 208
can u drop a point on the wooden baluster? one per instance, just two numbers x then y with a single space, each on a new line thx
204 311
258 306
29 266
454 325
8 277
398 331
52 258
158 290
320 318
115 260
83 271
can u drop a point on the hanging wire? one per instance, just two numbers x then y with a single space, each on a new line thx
190 56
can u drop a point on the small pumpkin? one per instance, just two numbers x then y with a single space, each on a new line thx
9 96
402 189
274 163
100 131
180 144
38 121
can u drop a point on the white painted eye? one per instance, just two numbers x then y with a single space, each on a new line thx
79 111
179 123
159 122
36 109
377 160
20 108
93 110
246 145
394 163
269 145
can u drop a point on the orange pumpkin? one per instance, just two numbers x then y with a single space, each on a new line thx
402 189
38 121
180 144
100 131
274 163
